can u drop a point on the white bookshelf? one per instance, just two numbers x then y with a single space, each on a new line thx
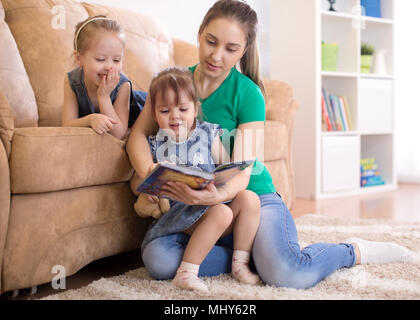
327 163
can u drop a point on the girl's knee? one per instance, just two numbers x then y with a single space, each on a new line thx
250 201
222 215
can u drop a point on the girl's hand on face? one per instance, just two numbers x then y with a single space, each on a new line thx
101 123
108 83
179 191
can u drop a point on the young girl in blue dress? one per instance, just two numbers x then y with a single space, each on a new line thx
96 93
187 141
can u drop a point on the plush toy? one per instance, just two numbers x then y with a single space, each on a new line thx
146 208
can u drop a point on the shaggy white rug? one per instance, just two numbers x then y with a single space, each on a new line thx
391 281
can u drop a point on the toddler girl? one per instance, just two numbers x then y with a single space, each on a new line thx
97 94
185 140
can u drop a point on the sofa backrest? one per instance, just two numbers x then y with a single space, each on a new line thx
46 44
45 48
14 82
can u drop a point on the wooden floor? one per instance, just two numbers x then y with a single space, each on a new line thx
402 204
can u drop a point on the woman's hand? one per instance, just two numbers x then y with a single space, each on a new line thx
180 191
101 123
108 83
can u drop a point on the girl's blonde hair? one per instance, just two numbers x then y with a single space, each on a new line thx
241 12
85 30
176 79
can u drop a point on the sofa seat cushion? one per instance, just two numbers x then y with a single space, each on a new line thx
275 141
70 228
47 159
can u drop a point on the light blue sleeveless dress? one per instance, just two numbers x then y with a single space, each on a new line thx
77 83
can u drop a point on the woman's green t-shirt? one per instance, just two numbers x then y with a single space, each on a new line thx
238 100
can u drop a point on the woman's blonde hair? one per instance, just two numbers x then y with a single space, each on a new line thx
241 12
86 29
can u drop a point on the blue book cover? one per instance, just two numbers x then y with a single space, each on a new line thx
372 8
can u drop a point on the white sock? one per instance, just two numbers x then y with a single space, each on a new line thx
381 252
240 267
187 277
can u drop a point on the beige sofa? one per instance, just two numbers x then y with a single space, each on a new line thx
64 192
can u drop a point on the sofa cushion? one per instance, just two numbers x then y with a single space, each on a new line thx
46 49
276 139
50 159
149 46
14 82
185 54
6 123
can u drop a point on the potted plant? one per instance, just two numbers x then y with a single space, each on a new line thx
367 51
329 56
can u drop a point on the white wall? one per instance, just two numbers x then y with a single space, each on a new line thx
183 18
407 89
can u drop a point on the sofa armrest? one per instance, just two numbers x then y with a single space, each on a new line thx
281 106
6 124
185 54
4 204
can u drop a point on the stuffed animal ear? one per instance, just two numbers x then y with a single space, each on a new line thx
164 205
145 208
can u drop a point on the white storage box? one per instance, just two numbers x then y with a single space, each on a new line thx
340 163
375 108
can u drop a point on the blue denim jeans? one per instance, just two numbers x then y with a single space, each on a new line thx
277 256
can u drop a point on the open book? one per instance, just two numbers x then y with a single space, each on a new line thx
191 176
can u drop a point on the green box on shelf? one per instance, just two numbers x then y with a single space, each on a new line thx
329 56
366 63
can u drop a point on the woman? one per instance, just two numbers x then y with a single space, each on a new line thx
235 100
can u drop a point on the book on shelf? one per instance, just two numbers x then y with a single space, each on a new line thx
194 177
328 112
336 112
369 173
345 103
325 117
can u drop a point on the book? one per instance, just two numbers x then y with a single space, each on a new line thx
369 173
325 116
342 113
347 112
194 177
329 110
334 107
